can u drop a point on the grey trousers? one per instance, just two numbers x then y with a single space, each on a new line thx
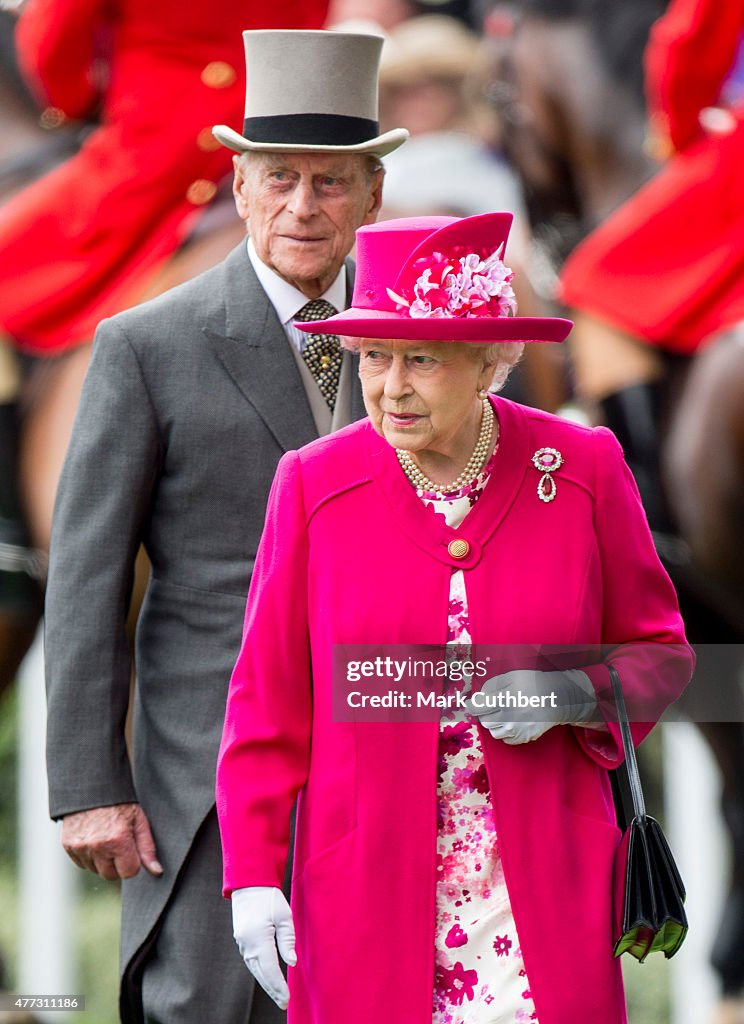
190 971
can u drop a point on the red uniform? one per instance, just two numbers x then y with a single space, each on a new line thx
668 266
79 244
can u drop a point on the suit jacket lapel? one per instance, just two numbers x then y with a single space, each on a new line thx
253 348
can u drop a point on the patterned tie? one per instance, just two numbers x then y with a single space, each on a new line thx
322 352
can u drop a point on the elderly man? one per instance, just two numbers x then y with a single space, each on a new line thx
189 403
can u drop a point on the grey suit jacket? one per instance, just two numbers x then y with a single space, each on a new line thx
189 403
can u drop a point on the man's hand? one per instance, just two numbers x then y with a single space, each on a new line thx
262 920
114 842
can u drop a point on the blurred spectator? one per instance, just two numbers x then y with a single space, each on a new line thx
389 13
450 173
423 75
430 78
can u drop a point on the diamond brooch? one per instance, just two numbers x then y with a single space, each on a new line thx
547 461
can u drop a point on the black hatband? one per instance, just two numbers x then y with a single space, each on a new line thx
311 129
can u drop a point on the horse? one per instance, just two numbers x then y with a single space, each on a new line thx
704 463
567 82
708 493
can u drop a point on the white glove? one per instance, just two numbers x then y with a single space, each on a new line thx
552 698
262 920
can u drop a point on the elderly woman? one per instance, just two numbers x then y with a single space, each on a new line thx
444 870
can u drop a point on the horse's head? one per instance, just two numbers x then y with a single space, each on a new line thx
566 81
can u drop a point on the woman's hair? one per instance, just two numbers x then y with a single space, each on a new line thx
501 355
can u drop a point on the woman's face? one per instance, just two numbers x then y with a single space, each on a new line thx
423 395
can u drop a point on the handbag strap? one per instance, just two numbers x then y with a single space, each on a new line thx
631 764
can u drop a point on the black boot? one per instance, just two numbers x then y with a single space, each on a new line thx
633 415
20 567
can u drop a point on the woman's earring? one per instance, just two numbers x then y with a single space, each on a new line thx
482 394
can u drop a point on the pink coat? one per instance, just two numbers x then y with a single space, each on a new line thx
350 555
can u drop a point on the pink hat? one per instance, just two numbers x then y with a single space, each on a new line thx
437 279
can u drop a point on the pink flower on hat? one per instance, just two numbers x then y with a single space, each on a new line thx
467 285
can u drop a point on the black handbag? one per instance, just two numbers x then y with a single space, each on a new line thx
648 891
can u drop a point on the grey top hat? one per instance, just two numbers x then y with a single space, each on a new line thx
311 92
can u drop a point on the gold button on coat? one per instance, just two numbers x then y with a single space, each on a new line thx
206 141
458 548
201 191
52 117
218 75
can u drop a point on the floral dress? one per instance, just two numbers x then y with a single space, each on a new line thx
479 973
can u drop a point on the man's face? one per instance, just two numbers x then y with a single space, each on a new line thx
302 210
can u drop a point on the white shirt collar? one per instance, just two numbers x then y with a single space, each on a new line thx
285 298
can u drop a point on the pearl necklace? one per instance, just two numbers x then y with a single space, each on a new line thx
475 464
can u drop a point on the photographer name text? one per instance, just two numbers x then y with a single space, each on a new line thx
453 701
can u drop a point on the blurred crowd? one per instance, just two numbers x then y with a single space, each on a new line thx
628 208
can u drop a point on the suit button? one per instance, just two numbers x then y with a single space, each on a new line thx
201 191
52 117
218 75
206 141
458 548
